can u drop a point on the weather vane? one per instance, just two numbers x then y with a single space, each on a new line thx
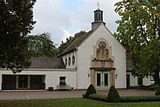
98 4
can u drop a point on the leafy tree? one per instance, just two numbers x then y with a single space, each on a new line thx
64 45
69 40
41 45
139 31
16 21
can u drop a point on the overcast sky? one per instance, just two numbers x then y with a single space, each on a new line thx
64 18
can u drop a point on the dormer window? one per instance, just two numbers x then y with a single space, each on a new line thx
73 60
69 61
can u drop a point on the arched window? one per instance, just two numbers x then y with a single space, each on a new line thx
66 61
69 61
73 60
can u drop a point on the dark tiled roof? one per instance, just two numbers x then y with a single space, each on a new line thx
47 62
129 65
76 43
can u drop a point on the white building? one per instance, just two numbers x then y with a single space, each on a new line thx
94 58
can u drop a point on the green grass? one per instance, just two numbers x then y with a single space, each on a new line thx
71 103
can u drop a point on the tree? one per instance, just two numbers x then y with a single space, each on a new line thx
139 31
41 45
64 45
16 21
69 40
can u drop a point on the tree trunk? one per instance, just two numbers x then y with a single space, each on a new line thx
156 77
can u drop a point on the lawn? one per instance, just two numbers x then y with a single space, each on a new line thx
71 103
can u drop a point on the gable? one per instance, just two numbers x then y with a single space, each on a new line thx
114 38
102 32
79 40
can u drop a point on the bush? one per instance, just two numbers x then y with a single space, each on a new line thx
126 98
154 86
140 98
157 91
98 97
90 90
113 95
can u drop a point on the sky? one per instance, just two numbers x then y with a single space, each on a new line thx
64 18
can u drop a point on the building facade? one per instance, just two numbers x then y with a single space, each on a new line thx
93 58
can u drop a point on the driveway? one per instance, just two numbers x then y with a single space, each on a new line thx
15 95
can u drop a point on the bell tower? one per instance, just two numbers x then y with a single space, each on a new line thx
98 18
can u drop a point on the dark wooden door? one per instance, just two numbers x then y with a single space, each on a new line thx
128 81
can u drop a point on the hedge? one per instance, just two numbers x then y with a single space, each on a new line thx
140 98
113 95
125 99
98 97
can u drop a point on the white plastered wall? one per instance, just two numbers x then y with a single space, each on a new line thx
147 81
51 76
134 80
70 55
85 50
0 82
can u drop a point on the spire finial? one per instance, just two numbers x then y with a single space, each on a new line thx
98 4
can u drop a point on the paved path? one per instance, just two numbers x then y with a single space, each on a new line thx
13 95
133 92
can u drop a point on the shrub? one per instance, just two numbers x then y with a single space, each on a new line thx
98 97
126 98
157 91
154 86
90 90
140 98
113 95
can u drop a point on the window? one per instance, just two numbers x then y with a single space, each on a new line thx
98 79
105 79
62 81
69 61
73 60
66 61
